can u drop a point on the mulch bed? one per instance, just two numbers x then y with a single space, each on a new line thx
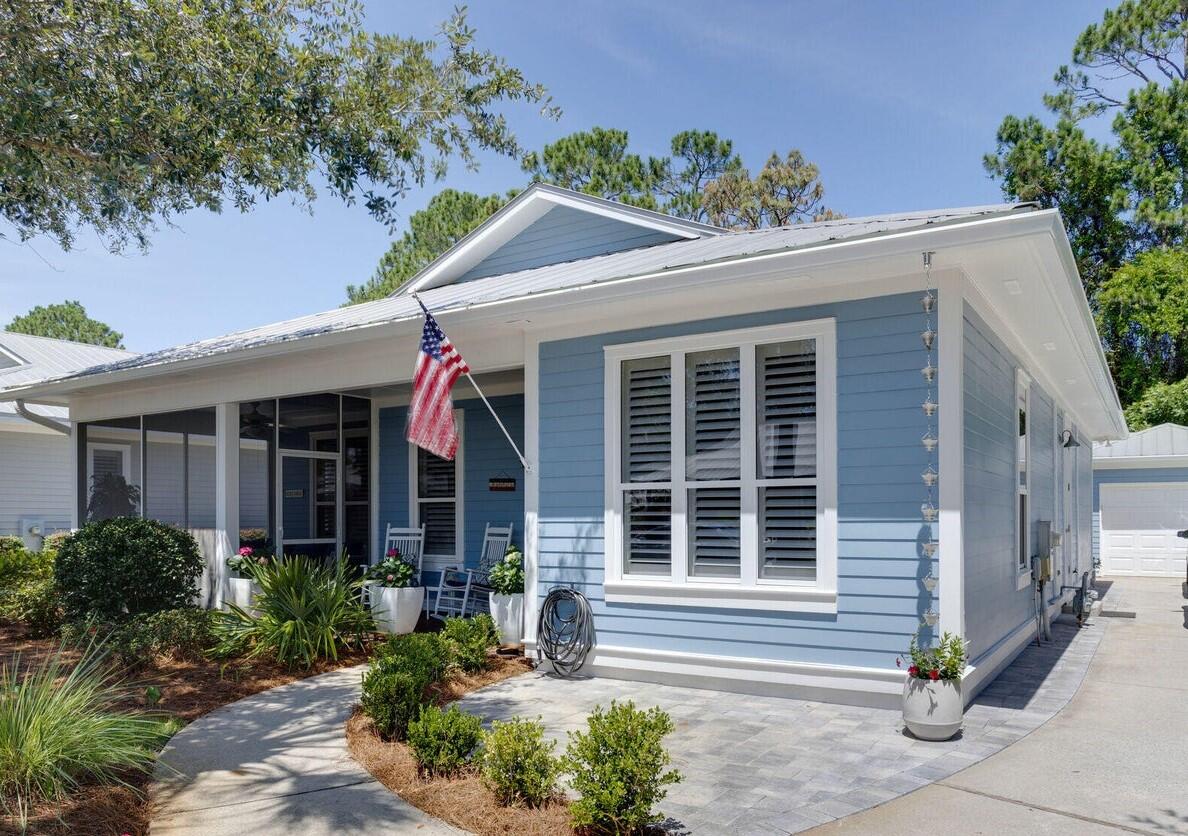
189 689
463 801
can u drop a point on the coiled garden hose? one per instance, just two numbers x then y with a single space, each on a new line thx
565 631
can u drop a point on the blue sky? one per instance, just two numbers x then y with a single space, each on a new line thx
896 102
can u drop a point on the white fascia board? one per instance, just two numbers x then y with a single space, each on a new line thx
1139 462
536 310
524 210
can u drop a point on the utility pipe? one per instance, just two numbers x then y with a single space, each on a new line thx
48 423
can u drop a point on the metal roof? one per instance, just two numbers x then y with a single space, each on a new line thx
39 358
1161 440
568 275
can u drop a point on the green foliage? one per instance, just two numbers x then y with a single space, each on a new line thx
393 572
34 603
1160 403
507 576
66 321
619 769
786 191
947 659
596 162
424 654
182 634
517 764
61 726
469 640
127 566
17 564
1143 313
444 741
112 495
431 231
116 114
305 611
52 543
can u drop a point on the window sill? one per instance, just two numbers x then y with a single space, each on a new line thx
722 596
1023 581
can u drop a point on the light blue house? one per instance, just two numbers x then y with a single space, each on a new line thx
1140 503
761 456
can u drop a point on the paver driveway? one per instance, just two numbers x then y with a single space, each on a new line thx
770 765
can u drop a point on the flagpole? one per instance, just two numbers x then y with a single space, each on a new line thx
523 461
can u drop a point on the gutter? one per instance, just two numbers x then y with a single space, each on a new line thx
41 420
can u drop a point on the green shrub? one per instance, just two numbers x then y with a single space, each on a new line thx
127 566
51 544
392 697
33 603
305 611
618 768
60 726
444 741
17 564
507 576
422 653
517 764
184 634
469 639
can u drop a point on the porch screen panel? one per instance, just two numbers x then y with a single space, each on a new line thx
356 477
257 472
109 470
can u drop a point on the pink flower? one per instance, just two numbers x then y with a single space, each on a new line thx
393 553
391 577
246 551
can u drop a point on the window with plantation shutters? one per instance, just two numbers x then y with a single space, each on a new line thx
735 489
436 501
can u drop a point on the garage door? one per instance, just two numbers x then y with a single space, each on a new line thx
1138 529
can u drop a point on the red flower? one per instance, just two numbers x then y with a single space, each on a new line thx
913 670
934 675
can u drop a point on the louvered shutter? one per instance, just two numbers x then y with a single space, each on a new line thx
647 531
786 409
435 476
647 420
438 519
106 462
436 487
788 532
713 515
713 420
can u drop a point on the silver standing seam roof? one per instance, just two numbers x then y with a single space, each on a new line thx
1160 440
565 275
39 358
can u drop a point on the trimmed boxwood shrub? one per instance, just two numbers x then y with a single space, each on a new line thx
518 765
184 634
469 640
444 741
127 566
32 603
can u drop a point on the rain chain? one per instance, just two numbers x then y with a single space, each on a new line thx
928 511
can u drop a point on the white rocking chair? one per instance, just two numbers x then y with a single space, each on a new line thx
459 585
410 542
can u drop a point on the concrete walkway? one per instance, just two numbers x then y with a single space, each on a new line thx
277 763
1115 760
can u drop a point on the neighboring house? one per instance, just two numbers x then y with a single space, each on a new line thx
36 476
724 431
1140 502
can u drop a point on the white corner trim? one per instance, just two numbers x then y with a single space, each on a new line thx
531 485
779 598
950 395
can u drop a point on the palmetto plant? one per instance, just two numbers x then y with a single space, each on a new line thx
305 611
60 726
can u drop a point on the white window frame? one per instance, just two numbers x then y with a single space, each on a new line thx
125 451
440 561
1022 533
748 591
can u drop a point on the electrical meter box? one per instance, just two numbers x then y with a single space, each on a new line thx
1043 550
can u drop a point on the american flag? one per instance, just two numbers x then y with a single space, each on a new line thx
431 414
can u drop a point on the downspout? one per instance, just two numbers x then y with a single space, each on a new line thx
48 423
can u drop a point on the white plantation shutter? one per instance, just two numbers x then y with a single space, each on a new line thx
714 524
106 462
647 529
788 532
786 409
647 420
713 413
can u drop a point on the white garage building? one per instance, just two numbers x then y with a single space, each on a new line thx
1140 501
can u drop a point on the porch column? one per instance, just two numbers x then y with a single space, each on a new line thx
531 487
226 496
951 433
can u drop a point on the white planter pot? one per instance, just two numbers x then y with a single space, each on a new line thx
396 610
508 612
932 710
240 592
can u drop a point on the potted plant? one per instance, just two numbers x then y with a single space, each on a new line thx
395 594
507 596
242 587
932 702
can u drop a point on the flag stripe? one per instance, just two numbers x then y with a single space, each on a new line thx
431 411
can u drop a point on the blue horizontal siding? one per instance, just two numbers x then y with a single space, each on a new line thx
565 234
485 455
880 599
